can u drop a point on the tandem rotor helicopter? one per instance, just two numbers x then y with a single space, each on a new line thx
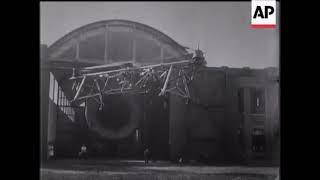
127 78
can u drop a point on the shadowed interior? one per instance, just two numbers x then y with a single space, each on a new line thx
115 113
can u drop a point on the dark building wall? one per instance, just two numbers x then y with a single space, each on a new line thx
207 114
64 140
156 126
177 125
196 127
69 135
52 119
223 103
273 114
207 127
234 118
251 81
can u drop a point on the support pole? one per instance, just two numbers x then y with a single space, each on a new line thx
166 82
100 95
78 92
105 84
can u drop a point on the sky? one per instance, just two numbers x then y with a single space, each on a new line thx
222 29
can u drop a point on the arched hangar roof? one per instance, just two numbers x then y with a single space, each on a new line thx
115 40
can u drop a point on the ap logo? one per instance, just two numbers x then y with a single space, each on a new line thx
263 13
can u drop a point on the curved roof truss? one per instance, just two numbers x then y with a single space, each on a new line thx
112 41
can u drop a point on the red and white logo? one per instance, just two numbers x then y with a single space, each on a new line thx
263 13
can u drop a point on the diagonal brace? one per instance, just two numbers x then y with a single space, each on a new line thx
80 88
166 82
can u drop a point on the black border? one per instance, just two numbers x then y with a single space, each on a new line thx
26 94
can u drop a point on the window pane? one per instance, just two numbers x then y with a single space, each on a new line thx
120 46
257 101
51 86
258 140
92 47
59 97
55 97
62 95
137 135
64 103
167 54
147 50
69 53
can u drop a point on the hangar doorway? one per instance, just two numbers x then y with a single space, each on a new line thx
156 127
128 124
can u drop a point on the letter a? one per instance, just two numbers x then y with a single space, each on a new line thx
258 12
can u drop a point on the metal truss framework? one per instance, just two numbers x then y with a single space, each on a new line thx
159 79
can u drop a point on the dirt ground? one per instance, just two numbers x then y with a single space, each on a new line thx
135 169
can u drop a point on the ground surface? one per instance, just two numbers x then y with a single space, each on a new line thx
131 169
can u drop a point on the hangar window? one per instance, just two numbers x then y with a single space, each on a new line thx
92 48
168 54
61 101
51 88
257 100
137 135
258 140
120 46
55 96
59 95
146 50
70 53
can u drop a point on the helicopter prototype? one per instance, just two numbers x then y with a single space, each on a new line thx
172 77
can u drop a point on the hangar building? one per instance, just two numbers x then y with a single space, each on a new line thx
234 115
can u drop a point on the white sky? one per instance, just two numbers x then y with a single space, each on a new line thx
222 28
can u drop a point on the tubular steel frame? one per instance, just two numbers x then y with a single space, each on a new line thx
160 79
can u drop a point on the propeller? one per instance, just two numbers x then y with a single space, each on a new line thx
195 50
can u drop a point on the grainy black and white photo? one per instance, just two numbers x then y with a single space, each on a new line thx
158 90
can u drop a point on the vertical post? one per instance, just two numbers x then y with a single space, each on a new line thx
77 43
134 50
106 44
162 54
134 44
